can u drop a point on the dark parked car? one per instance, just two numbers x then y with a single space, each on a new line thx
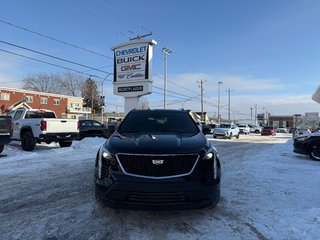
309 144
206 129
92 128
5 131
267 131
157 160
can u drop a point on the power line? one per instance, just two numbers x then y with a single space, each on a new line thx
173 92
176 84
54 39
52 64
48 55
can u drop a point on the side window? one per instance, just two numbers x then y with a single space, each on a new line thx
44 100
17 115
96 124
56 102
5 96
28 99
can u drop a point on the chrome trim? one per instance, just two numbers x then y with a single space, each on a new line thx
157 156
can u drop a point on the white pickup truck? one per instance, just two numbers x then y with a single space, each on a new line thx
32 126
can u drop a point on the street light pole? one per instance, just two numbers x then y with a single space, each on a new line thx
166 52
103 98
229 107
219 83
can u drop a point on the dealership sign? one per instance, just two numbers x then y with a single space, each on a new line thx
132 75
131 63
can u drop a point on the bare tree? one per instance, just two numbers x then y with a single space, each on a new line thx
67 84
143 103
43 82
72 84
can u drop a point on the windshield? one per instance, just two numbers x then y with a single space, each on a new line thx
158 121
225 126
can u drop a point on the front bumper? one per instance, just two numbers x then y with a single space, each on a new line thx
157 195
220 134
299 148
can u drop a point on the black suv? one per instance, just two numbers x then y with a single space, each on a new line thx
157 160
308 143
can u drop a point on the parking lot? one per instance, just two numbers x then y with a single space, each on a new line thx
268 192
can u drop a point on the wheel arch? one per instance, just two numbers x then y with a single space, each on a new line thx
26 129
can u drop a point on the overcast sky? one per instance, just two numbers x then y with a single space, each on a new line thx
266 52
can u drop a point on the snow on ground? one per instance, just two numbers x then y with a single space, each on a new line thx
267 192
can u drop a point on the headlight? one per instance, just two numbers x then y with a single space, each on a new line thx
212 155
105 158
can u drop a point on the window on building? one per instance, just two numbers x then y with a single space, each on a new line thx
28 99
44 100
75 105
5 96
56 101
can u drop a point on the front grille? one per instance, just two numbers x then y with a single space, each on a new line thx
172 165
146 197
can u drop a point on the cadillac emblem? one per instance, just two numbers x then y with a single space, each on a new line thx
157 162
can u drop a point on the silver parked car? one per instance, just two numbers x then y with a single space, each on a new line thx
226 130
244 128
255 128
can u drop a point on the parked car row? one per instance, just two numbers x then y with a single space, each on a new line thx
32 126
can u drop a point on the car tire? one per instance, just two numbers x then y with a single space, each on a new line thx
256 131
1 147
230 135
28 142
314 151
65 144
237 137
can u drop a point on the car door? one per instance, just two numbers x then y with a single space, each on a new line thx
16 126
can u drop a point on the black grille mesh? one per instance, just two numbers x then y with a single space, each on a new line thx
172 164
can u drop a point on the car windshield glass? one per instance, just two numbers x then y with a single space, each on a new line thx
158 121
225 126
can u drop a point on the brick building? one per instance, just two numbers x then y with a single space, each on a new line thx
64 106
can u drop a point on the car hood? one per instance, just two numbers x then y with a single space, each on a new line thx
314 134
157 143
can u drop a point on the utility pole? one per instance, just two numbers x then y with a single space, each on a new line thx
229 105
201 90
219 118
166 52
256 113
92 101
103 97
251 114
